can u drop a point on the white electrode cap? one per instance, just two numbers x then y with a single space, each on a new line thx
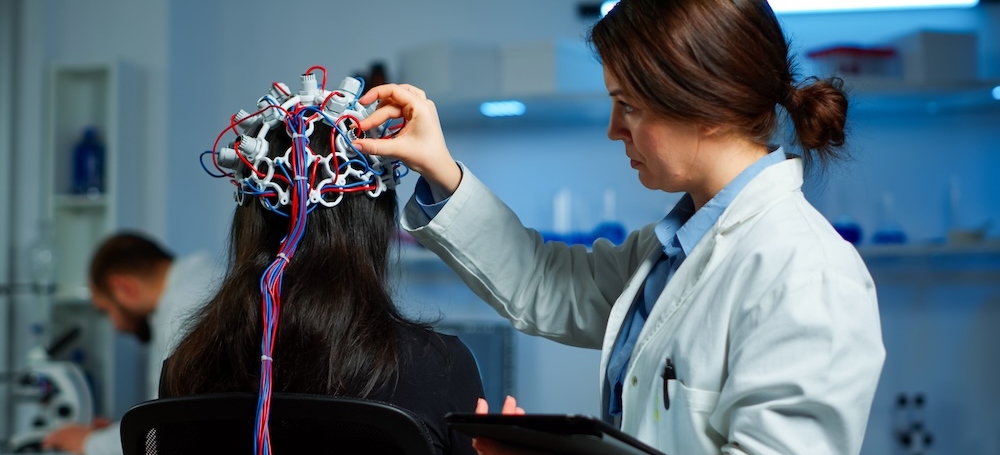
350 85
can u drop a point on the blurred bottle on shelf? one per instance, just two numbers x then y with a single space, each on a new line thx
849 229
957 230
888 232
609 227
843 223
88 164
43 260
565 230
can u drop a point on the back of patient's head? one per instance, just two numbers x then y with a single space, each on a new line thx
125 253
337 315
352 238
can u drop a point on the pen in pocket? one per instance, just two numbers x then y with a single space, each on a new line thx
669 373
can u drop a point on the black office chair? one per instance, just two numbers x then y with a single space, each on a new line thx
299 424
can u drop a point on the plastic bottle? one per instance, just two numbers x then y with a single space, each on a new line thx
88 164
610 228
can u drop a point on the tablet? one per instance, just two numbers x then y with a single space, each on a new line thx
551 433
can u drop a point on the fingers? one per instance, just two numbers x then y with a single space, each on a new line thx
395 101
405 92
509 405
382 114
490 447
482 446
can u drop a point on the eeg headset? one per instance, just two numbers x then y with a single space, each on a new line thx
245 160
297 181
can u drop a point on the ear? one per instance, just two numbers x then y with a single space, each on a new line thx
123 288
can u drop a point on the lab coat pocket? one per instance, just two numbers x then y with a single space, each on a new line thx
682 419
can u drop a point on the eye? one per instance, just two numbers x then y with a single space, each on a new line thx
626 108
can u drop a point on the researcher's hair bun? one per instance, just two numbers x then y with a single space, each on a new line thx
818 110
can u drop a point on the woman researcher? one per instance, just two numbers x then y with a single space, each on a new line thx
739 323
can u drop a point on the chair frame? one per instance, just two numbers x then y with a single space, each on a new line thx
410 432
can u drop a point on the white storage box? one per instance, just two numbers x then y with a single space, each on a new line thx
549 68
453 71
934 56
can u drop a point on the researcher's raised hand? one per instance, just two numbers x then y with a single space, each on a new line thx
420 143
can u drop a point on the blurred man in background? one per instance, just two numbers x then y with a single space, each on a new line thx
148 292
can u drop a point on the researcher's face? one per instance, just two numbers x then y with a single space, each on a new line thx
664 152
121 318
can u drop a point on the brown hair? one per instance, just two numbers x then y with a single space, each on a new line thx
128 253
722 63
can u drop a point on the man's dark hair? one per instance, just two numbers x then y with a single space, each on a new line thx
128 253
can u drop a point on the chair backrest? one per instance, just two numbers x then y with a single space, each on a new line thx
300 423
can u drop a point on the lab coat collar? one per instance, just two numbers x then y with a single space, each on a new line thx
771 186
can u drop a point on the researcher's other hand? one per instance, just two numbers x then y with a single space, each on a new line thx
420 143
491 447
100 422
68 438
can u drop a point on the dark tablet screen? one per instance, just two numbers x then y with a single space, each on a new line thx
551 433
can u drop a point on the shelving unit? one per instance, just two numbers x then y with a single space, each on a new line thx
100 95
868 97
105 96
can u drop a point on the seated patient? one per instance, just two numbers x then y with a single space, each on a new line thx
326 265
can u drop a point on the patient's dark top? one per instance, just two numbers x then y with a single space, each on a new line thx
437 375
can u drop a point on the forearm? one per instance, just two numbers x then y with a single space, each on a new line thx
546 290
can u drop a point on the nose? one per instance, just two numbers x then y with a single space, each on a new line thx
615 131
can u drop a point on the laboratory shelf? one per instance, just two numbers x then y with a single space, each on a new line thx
885 95
977 263
80 202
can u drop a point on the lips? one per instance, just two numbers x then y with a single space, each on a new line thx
634 163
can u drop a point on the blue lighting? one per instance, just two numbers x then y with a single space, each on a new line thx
607 6
815 6
502 108
996 93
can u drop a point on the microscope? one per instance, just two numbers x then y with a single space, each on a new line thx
58 392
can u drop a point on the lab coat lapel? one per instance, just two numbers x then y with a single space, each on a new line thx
620 309
678 290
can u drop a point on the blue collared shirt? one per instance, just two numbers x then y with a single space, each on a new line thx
425 199
678 232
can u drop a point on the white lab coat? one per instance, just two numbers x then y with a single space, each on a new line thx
191 281
772 321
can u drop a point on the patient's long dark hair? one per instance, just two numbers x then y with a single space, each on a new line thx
337 327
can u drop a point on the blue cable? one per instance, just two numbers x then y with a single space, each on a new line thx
360 91
201 159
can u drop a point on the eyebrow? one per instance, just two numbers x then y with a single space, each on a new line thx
615 92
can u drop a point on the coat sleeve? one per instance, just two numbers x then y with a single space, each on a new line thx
106 441
804 364
561 292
